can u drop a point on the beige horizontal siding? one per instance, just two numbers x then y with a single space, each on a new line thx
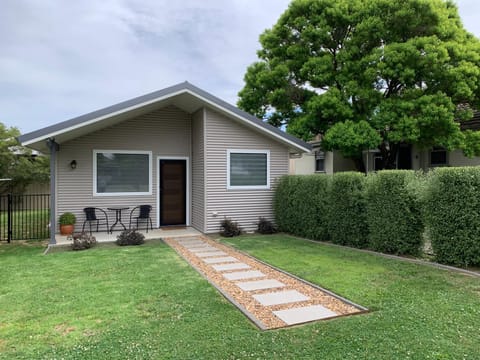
165 132
244 206
198 169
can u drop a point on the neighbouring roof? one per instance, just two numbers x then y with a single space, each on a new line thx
184 95
473 124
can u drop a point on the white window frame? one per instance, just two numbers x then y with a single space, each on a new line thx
135 152
248 187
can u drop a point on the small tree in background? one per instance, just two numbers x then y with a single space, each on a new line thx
18 163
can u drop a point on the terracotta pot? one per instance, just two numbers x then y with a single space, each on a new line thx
66 229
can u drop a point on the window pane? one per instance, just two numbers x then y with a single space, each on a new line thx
248 169
320 165
319 161
438 157
117 172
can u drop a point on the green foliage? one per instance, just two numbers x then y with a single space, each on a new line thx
393 213
130 237
453 216
265 226
367 74
230 228
352 137
18 164
67 218
347 220
83 241
301 206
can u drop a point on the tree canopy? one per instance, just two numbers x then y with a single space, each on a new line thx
368 74
18 164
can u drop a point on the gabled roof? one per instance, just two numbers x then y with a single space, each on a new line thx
184 95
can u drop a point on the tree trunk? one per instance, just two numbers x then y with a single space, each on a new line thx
389 155
359 164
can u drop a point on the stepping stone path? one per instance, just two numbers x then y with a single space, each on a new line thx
269 297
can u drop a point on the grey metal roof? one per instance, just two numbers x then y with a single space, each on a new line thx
84 120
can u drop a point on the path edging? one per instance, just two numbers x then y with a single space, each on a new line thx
318 287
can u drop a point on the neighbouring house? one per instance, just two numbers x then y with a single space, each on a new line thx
193 157
409 157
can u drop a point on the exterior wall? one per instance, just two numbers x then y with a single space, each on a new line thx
334 162
165 132
340 163
244 206
303 165
198 171
456 158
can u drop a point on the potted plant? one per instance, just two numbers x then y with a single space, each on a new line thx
67 220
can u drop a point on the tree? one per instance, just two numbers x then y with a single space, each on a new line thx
18 164
368 74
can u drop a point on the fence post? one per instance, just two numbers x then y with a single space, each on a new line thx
9 217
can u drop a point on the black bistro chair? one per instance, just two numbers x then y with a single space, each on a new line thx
97 216
143 214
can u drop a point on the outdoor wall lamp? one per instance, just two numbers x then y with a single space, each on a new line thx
73 164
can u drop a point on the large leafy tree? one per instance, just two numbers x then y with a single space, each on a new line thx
368 74
18 164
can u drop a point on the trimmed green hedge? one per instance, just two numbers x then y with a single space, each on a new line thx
387 211
347 223
301 204
453 215
394 217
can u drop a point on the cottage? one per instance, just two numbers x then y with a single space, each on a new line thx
193 157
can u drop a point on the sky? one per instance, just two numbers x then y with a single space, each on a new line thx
60 59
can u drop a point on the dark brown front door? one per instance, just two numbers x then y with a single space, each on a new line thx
173 192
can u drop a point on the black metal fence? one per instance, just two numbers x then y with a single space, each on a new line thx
24 217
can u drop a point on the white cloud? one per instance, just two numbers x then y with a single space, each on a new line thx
60 59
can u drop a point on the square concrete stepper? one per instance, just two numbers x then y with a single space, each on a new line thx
218 260
232 266
210 253
304 314
280 297
241 275
203 249
259 284
190 243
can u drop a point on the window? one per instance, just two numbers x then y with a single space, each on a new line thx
319 161
117 172
438 157
248 169
377 162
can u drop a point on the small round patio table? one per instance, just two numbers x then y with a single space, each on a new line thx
118 216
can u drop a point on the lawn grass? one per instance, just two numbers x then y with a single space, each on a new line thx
26 224
145 302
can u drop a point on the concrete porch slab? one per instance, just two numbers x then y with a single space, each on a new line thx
104 237
280 297
304 314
